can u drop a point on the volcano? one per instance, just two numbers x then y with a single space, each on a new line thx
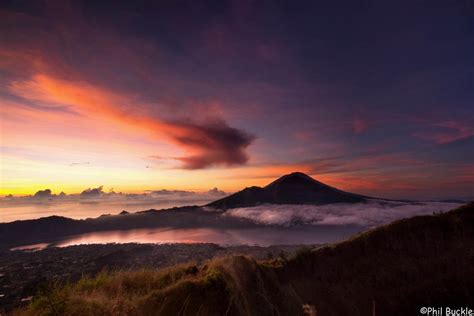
294 188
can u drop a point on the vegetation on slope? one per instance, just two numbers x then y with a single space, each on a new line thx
394 270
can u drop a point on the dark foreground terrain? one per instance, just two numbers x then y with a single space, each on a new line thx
24 273
392 270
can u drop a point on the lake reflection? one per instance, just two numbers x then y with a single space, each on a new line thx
264 236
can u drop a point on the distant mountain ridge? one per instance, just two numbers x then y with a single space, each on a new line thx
293 188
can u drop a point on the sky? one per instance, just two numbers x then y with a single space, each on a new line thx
372 97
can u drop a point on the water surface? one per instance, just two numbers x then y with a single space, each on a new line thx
262 236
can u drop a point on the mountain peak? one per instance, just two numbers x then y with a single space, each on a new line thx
293 188
294 176
298 174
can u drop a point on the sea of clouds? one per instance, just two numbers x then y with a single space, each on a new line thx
370 214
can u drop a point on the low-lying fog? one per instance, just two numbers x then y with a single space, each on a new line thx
370 214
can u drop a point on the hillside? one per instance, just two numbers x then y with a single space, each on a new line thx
395 269
294 188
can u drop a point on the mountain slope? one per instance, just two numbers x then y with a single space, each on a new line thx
294 188
425 261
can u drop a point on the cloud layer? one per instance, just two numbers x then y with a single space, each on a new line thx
370 214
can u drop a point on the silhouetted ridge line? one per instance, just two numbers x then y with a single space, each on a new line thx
293 188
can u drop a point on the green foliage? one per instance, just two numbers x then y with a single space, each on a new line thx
282 256
51 300
214 277
113 293
87 284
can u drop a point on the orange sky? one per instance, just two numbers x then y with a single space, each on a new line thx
167 98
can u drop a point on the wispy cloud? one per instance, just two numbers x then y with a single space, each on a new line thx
208 142
84 163
359 125
447 132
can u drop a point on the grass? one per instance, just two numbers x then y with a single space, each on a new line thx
107 293
217 288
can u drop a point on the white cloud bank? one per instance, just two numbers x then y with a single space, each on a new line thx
370 214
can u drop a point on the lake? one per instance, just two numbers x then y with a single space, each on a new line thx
262 236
